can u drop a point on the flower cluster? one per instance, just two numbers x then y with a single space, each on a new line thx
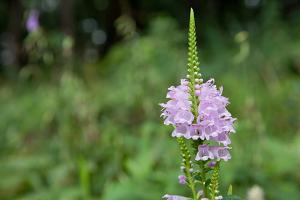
213 124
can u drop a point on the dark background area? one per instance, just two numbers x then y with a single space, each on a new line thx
79 19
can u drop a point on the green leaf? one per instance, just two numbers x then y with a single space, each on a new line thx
229 190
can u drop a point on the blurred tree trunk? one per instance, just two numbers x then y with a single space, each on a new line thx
112 13
67 19
15 28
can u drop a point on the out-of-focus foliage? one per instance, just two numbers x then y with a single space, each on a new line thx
95 132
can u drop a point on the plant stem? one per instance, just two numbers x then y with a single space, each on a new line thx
187 164
203 177
214 184
201 165
192 186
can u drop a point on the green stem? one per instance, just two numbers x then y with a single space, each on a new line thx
192 186
201 165
203 177
214 184
187 166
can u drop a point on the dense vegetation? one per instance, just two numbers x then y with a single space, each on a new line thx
88 127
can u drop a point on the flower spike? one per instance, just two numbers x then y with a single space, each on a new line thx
194 76
201 122
193 60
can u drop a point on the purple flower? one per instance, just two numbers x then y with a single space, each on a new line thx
177 110
186 130
174 197
206 152
222 138
213 123
215 120
222 153
182 179
212 164
32 23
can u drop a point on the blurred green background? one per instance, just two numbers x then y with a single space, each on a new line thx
79 96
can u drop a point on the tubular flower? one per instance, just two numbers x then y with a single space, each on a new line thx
177 111
182 179
213 124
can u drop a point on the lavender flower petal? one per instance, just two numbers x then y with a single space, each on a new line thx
174 197
32 23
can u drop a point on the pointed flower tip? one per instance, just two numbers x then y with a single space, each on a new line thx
191 13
